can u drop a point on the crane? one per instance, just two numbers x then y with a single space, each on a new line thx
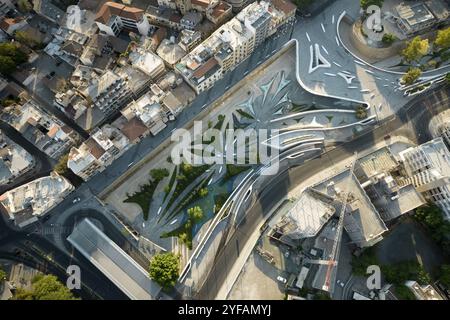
334 256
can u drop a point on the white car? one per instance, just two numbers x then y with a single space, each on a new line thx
76 200
281 279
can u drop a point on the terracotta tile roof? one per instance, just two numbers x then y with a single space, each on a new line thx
220 9
134 128
159 35
96 150
202 3
110 9
208 65
8 22
284 5
53 130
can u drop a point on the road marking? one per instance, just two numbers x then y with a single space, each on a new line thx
159 210
210 181
307 35
368 71
220 169
323 28
353 87
359 62
330 74
324 49
173 221
338 65
332 19
337 41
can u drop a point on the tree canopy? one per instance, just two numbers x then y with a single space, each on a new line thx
415 49
159 174
367 3
195 213
443 38
302 4
2 275
411 76
10 57
45 287
164 269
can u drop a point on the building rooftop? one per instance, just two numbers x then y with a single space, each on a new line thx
170 52
113 261
415 13
110 9
37 196
362 220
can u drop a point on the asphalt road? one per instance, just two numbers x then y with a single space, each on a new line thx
32 249
409 122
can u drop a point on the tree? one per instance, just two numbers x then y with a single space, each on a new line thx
203 192
361 112
159 174
411 76
415 49
25 39
7 65
302 4
164 269
61 167
443 38
195 213
3 275
45 287
447 78
367 3
388 38
10 57
444 276
24 6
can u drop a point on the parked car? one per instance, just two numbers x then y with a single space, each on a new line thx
281 279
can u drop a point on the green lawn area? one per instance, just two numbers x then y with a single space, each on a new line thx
234 170
245 114
144 196
187 175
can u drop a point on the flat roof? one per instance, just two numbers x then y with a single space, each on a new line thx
110 259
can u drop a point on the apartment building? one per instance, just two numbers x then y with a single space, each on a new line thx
113 17
95 154
25 204
229 45
428 168
107 92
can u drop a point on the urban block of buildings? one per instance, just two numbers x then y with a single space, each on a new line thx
233 42
45 131
97 152
25 204
428 169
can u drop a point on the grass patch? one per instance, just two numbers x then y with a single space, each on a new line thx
171 182
186 175
219 124
330 118
219 201
402 292
234 170
245 114
144 196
